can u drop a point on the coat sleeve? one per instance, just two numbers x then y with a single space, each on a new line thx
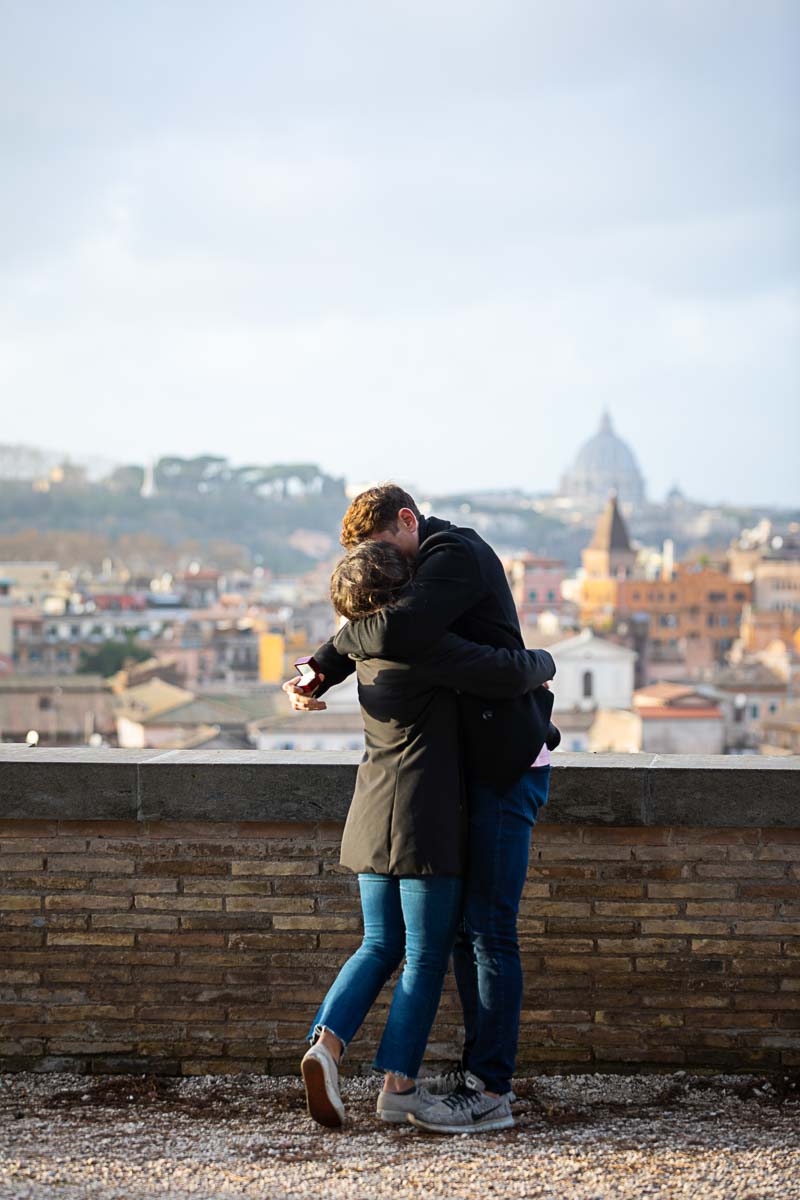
497 674
448 581
335 666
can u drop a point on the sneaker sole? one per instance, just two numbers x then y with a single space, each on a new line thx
400 1118
318 1102
478 1127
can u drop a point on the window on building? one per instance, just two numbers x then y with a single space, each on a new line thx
45 703
773 708
754 710
740 596
588 685
551 596
534 595
710 621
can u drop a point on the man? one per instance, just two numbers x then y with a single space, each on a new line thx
460 585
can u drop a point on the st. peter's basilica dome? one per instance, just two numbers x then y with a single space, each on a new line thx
604 464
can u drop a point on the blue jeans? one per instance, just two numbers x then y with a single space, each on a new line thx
486 954
417 917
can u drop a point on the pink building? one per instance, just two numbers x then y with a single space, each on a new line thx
536 585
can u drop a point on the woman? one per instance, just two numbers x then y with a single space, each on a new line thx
404 837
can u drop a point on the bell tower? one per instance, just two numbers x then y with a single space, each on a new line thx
609 555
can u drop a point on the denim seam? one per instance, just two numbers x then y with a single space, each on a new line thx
501 976
392 1071
415 967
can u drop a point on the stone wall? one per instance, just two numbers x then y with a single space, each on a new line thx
184 913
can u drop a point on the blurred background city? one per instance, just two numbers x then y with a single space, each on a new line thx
162 605
536 262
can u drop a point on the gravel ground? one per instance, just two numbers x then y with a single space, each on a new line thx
584 1137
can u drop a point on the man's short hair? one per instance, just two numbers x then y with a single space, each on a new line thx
375 511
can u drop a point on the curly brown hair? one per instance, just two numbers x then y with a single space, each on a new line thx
374 511
368 578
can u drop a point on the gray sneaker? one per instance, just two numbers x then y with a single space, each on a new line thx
448 1081
466 1110
396 1108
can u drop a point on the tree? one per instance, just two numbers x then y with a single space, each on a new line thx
111 657
125 479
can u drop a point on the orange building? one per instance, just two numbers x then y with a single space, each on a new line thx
694 616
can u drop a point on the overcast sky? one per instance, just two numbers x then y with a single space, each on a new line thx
423 239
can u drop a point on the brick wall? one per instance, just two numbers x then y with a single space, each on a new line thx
201 947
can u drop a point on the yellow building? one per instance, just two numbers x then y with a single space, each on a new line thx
271 654
607 559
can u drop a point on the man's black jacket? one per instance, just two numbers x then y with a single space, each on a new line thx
459 585
407 816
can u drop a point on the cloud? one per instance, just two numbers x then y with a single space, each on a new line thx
429 240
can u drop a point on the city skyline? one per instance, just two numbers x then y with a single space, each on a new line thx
99 468
431 243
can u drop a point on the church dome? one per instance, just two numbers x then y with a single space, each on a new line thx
604 464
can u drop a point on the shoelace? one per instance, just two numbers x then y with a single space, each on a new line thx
454 1078
462 1097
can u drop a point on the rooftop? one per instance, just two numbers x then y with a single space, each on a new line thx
146 701
673 713
751 676
326 721
671 695
219 710
611 532
44 683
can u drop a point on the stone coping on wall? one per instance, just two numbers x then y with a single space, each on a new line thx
225 785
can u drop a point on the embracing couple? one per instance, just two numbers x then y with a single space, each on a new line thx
457 726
